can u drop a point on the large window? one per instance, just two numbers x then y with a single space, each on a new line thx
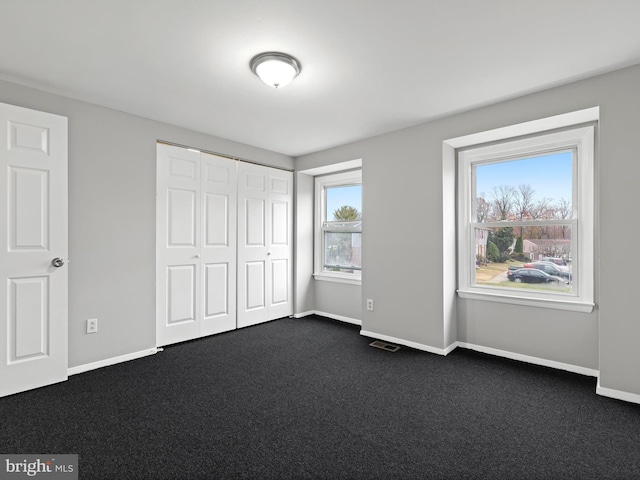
525 220
338 246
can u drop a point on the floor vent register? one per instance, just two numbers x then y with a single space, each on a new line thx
385 346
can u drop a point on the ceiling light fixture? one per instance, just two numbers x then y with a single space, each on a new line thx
275 69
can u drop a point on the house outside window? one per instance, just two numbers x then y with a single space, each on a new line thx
338 245
524 204
482 235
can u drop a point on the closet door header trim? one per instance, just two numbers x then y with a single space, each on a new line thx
223 155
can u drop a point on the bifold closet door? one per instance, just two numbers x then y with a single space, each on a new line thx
196 244
219 244
264 244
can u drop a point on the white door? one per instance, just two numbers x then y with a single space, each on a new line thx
218 253
196 244
33 217
178 248
280 255
264 244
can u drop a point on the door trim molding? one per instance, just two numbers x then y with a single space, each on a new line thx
224 155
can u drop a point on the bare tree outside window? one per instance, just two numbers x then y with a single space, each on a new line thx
525 218
516 205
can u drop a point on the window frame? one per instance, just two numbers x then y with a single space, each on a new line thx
345 178
578 137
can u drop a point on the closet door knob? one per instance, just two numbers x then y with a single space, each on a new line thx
57 262
197 255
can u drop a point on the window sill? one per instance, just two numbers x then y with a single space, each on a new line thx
554 303
337 278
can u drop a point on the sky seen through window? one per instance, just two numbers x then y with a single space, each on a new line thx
550 176
350 195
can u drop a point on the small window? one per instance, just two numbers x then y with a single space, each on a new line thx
338 248
525 220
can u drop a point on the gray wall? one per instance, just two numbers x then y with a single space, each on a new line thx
304 292
112 179
337 300
403 268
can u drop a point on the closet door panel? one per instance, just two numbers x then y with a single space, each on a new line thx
216 220
280 243
219 199
217 290
181 217
178 273
255 223
279 282
265 244
181 294
255 282
253 233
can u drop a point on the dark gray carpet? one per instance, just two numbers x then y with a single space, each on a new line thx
308 398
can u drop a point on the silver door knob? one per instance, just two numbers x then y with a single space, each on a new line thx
57 262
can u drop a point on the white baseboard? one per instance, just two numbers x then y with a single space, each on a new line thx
353 321
450 348
617 394
407 343
605 392
529 359
111 361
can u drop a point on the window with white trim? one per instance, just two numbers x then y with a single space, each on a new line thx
338 227
526 220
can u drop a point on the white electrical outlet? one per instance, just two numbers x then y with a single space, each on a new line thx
370 304
92 325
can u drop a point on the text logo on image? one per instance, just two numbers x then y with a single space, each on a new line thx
51 467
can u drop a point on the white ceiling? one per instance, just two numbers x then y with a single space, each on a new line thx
368 66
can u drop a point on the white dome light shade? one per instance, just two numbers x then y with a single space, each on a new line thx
275 69
275 73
